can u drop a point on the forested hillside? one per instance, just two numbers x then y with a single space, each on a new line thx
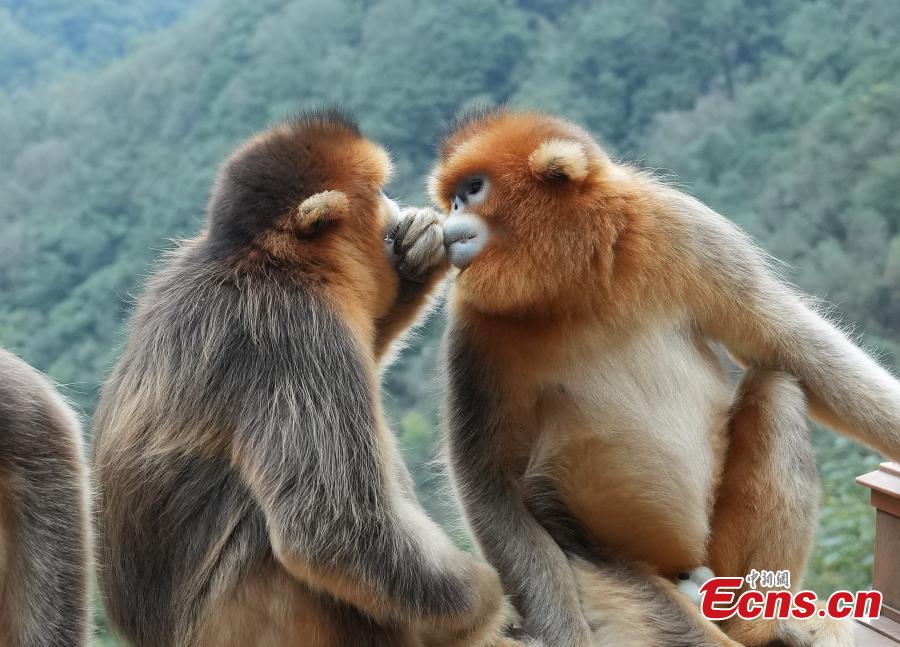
40 39
782 114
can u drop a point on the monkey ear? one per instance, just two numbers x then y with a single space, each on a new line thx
560 159
384 165
320 210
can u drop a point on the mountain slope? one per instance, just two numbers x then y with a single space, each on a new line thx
782 115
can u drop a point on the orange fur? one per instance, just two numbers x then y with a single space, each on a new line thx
590 308
587 228
297 215
349 262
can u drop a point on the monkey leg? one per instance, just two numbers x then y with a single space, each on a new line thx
405 573
271 609
629 607
765 515
622 602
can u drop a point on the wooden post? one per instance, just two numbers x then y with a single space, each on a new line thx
885 498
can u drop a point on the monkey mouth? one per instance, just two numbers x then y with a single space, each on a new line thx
465 236
459 237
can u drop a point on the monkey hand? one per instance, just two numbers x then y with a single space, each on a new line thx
489 615
415 244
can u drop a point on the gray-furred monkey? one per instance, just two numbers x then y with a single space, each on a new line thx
587 415
250 492
44 529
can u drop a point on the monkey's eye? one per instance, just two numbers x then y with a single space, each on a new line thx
470 191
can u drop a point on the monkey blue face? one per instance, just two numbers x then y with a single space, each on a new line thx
465 232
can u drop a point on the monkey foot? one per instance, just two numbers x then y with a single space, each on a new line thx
689 582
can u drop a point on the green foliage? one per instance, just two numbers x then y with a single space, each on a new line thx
781 114
843 559
40 38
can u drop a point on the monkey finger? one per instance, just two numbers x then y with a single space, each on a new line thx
398 238
426 254
413 224
416 243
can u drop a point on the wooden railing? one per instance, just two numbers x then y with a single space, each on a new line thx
885 485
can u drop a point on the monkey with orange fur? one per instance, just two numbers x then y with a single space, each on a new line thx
249 490
597 444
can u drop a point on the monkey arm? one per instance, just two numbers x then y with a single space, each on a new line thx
412 300
742 302
311 447
415 247
534 569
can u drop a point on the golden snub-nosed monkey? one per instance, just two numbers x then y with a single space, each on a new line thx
598 447
250 492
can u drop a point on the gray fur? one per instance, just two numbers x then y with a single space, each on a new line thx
769 322
263 374
246 479
43 489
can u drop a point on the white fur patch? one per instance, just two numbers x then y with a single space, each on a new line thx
563 158
696 578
